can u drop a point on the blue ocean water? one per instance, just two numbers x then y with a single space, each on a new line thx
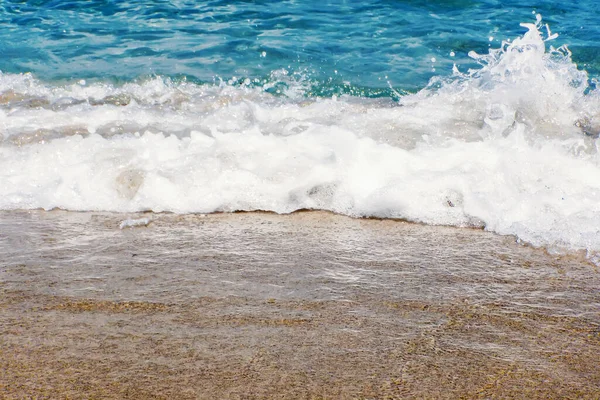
456 112
335 43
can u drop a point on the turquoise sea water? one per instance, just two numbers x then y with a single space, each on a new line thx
456 112
365 44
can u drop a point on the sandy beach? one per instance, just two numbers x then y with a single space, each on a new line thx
309 305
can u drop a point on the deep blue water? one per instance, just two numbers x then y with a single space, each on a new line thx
350 46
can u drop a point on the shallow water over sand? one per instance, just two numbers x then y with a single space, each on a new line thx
303 305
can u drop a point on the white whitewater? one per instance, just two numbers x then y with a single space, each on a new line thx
512 147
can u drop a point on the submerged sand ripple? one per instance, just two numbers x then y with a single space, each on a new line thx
309 305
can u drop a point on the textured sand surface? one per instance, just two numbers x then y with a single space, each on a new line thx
308 305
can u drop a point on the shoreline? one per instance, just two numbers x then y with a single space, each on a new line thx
309 304
579 255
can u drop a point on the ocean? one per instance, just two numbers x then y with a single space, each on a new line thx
423 179
459 112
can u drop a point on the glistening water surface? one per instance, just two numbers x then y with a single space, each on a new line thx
330 41
318 256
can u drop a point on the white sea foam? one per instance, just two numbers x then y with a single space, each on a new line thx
512 146
131 223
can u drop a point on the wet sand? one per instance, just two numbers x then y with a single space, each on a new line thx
309 305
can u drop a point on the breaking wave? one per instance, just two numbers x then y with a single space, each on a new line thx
511 146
